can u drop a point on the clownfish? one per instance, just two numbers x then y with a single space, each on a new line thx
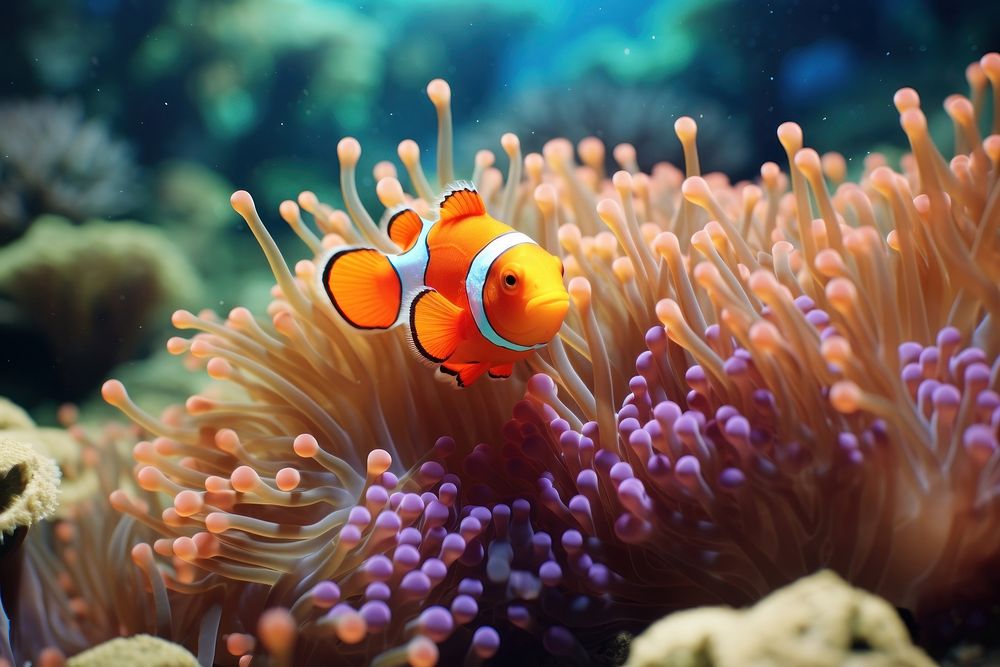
476 294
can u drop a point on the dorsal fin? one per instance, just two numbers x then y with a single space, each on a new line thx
460 200
403 227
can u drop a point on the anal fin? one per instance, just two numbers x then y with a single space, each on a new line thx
465 374
435 325
501 371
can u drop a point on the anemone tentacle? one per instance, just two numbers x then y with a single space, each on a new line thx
756 381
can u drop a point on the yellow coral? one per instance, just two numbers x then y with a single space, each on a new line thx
136 650
78 482
819 621
29 486
13 416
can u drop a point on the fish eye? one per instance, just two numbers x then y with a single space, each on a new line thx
510 280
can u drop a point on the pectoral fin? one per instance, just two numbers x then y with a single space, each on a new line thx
435 325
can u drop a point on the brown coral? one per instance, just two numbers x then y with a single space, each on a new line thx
91 291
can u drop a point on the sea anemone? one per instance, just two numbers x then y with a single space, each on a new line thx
806 379
819 388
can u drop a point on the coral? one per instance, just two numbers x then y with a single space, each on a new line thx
66 604
134 650
78 480
52 160
29 486
92 292
819 620
13 416
799 388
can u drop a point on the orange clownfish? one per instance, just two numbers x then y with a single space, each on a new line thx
476 294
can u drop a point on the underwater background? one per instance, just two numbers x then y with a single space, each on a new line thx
125 126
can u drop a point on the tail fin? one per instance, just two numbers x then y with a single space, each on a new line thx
364 287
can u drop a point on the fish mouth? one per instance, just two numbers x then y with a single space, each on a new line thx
553 298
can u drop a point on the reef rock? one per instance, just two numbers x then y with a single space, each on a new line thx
818 621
